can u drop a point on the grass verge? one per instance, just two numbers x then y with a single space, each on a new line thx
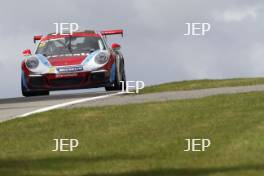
143 139
202 84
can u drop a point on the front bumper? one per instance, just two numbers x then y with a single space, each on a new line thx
77 80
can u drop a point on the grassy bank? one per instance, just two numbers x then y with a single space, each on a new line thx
143 139
202 84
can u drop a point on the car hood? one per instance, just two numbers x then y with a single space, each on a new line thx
66 60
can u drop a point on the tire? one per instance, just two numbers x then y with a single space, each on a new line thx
120 75
109 87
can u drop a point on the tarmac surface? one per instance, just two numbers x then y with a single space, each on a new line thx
20 107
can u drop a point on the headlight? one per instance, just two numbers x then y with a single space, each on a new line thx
101 58
32 62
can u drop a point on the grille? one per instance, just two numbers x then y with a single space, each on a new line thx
98 76
65 82
37 81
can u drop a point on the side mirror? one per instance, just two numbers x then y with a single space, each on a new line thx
116 46
27 52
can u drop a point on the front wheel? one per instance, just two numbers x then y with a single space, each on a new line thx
120 75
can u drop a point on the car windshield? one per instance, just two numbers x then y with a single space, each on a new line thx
69 45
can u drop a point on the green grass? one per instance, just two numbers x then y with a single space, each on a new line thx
202 84
140 140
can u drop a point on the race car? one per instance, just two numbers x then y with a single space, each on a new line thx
78 60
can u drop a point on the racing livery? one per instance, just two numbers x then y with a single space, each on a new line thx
79 60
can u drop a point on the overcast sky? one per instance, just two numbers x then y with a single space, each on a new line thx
154 45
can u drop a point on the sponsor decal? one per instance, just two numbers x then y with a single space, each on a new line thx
66 75
52 70
42 44
70 69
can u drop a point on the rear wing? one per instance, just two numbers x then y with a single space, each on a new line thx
104 33
112 32
36 38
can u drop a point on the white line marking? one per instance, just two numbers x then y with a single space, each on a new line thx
68 104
